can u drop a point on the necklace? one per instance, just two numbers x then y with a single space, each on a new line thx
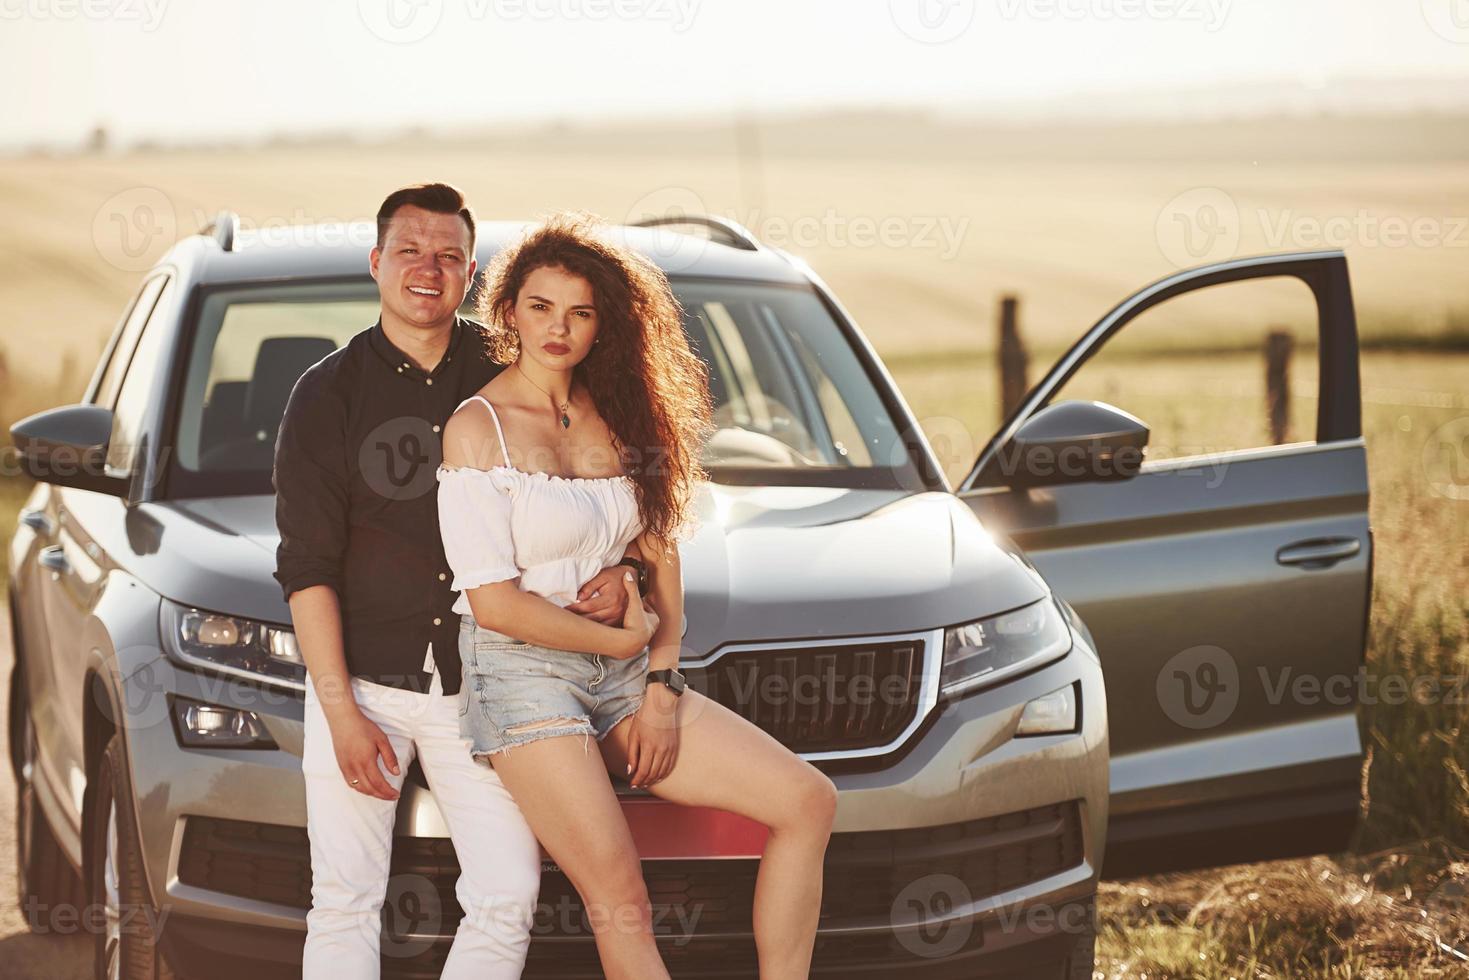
565 419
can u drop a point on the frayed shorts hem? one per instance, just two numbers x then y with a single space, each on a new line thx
583 726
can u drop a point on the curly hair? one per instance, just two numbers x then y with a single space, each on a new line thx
644 379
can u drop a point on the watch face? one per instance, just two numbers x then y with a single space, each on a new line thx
676 681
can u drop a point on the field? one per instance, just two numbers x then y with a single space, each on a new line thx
920 236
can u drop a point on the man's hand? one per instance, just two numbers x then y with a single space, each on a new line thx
358 743
604 598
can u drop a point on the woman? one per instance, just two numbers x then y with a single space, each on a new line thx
589 440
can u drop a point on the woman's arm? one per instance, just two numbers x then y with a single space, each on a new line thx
503 607
665 592
474 522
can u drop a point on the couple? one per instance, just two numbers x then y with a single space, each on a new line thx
490 622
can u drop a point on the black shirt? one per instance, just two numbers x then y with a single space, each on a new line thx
357 501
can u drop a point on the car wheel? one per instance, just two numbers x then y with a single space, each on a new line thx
127 948
45 879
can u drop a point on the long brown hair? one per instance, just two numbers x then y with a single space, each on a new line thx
645 381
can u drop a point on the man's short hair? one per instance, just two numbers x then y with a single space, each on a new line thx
438 198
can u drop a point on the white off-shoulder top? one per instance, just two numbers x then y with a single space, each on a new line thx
554 532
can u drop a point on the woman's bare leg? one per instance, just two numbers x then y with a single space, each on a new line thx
567 798
726 762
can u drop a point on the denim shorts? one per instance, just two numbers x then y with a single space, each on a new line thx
510 686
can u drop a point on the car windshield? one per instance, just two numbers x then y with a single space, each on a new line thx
793 403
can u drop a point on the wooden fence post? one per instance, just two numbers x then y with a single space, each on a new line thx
1278 344
1012 357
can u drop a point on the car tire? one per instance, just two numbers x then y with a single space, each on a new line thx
45 879
129 948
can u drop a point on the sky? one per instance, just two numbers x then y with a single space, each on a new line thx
191 70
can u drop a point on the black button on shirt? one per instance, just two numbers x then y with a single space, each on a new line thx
357 499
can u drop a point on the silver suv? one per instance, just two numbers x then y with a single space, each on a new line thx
841 594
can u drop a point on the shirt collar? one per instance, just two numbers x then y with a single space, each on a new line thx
378 339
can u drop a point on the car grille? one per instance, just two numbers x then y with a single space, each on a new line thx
819 699
868 875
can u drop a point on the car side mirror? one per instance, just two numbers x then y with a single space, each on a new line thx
68 447
1074 442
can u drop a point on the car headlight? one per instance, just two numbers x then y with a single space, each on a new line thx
988 650
232 645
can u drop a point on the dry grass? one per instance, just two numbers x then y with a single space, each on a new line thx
1392 914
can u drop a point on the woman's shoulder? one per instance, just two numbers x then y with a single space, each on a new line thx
470 438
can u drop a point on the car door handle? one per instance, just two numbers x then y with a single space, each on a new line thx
1318 552
36 520
55 559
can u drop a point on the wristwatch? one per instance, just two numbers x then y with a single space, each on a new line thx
641 569
669 676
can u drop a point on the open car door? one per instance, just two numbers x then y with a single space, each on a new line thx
1227 591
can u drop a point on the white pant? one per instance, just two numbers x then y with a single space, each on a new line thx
351 839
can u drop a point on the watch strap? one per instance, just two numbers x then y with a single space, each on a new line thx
637 565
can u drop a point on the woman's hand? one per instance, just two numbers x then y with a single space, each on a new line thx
652 743
639 623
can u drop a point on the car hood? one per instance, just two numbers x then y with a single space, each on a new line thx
766 562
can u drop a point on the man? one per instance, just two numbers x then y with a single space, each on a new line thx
362 565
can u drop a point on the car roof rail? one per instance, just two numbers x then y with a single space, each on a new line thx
225 228
722 230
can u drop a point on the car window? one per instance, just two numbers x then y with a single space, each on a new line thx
788 390
127 339
136 390
792 401
1194 368
249 350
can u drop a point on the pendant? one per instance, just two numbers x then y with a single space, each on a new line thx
565 422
